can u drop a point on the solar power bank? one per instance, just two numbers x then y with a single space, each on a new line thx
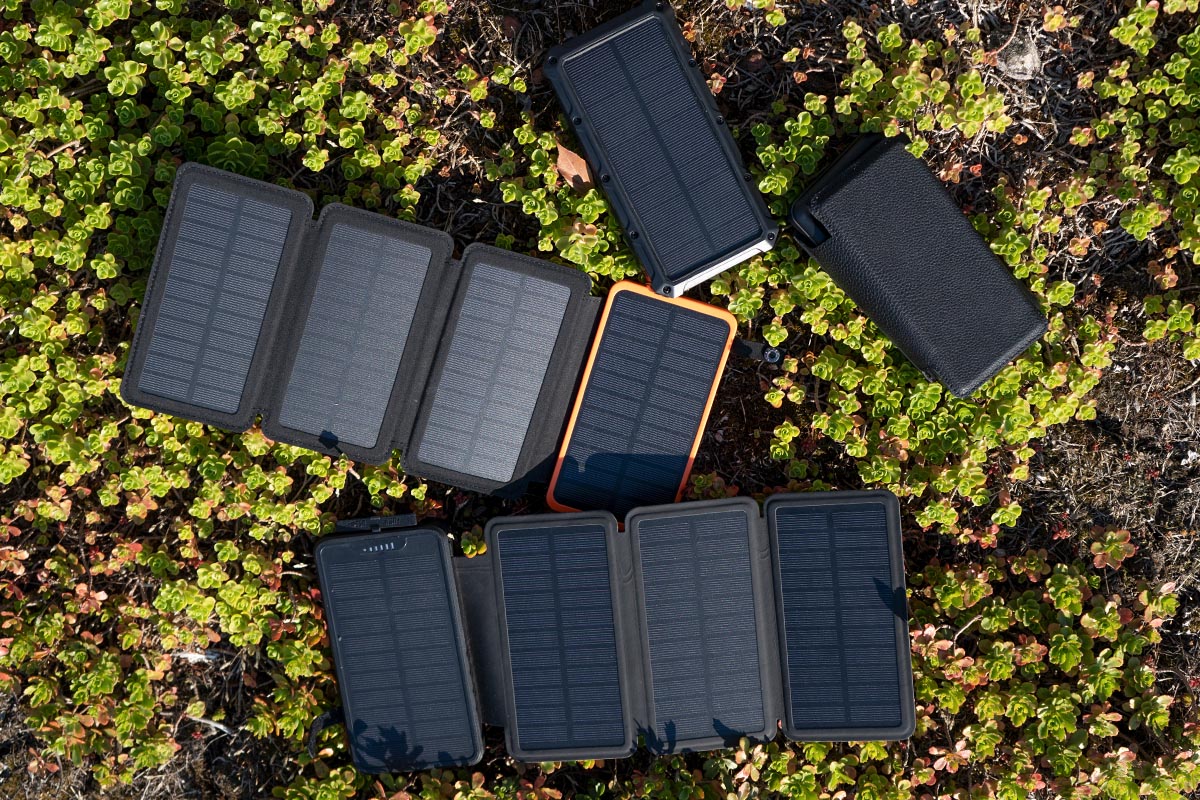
653 134
400 651
699 624
915 265
648 385
358 334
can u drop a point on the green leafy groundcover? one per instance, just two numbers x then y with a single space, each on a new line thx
134 539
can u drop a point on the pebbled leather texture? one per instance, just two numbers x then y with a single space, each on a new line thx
906 254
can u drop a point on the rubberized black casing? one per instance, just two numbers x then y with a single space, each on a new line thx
885 229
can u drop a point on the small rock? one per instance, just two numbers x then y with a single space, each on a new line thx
1020 60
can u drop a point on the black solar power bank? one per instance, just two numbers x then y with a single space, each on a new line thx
666 160
700 624
357 334
399 650
914 264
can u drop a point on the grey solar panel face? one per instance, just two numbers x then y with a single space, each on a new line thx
492 376
354 335
660 149
402 666
643 405
217 286
839 616
700 627
562 649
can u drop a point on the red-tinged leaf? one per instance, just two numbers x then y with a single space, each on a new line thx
574 169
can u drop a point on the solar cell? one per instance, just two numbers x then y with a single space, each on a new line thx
355 334
698 607
560 639
844 671
218 281
395 628
643 404
489 384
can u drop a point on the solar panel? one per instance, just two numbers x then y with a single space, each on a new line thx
489 383
219 278
559 635
667 163
396 633
355 333
701 632
846 667
644 401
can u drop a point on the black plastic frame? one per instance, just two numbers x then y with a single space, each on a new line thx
440 281
904 655
764 617
618 580
562 374
187 176
481 621
601 163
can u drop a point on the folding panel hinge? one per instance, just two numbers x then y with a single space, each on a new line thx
758 351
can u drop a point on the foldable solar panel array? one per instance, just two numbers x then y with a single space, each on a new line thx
358 334
698 624
667 162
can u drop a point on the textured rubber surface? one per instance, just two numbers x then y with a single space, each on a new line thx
700 627
354 335
645 400
492 376
651 128
396 633
561 637
843 669
218 283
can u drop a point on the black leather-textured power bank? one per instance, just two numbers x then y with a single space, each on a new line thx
885 229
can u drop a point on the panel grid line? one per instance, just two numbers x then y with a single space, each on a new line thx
837 613
552 559
492 379
206 331
647 389
398 652
683 192
838 618
355 334
209 315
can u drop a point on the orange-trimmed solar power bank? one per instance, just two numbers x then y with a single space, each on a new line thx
647 388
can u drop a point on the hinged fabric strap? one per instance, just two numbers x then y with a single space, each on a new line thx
394 522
